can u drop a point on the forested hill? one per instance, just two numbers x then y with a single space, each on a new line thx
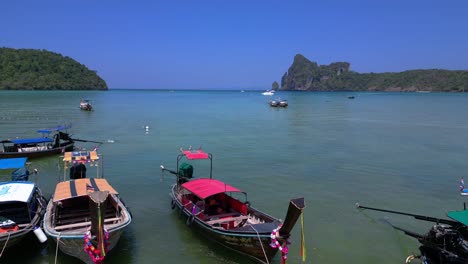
28 69
305 75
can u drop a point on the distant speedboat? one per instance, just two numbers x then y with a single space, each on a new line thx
278 103
283 103
269 92
274 103
86 105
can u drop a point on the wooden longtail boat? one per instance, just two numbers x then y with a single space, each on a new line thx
211 207
85 210
40 146
22 206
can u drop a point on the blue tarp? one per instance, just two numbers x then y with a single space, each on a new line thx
50 130
31 140
13 163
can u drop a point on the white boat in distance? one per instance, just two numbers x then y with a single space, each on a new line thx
269 92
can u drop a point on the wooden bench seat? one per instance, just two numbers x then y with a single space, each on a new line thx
226 219
232 213
80 213
80 216
83 224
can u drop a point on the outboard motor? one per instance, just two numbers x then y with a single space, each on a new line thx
56 141
450 240
185 172
64 136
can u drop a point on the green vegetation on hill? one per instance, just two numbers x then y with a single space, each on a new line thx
305 75
28 69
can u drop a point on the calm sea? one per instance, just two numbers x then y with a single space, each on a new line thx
401 151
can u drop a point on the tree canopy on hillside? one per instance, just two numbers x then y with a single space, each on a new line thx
305 75
29 69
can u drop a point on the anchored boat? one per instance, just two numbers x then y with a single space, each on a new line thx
212 207
85 104
40 146
278 103
85 211
22 205
269 92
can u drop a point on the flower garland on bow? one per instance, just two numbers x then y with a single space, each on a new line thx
94 253
276 244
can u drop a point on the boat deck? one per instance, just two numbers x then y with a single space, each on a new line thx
76 214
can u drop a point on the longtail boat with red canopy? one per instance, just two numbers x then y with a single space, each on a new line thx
222 213
85 210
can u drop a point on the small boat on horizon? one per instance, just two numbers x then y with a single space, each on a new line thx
85 211
278 103
39 146
85 104
213 208
22 205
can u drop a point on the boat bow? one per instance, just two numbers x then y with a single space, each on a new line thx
294 211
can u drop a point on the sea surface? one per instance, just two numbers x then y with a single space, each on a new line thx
400 151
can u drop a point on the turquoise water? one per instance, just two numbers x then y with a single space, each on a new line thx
401 151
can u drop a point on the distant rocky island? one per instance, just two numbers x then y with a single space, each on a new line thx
306 75
29 69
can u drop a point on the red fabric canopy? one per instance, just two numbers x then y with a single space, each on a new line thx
195 154
205 187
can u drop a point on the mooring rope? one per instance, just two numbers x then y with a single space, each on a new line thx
4 246
410 258
261 244
56 249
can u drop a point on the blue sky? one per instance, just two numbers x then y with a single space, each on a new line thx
237 44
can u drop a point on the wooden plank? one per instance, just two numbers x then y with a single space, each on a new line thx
85 212
227 219
87 223
234 213
86 217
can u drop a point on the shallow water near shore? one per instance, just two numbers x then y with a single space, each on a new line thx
400 151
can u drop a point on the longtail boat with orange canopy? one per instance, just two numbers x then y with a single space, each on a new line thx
85 210
222 213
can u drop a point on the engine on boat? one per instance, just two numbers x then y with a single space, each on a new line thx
448 242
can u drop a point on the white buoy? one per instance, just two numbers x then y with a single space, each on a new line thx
40 234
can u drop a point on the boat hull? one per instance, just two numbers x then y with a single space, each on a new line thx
37 154
86 108
74 245
13 238
71 241
251 245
